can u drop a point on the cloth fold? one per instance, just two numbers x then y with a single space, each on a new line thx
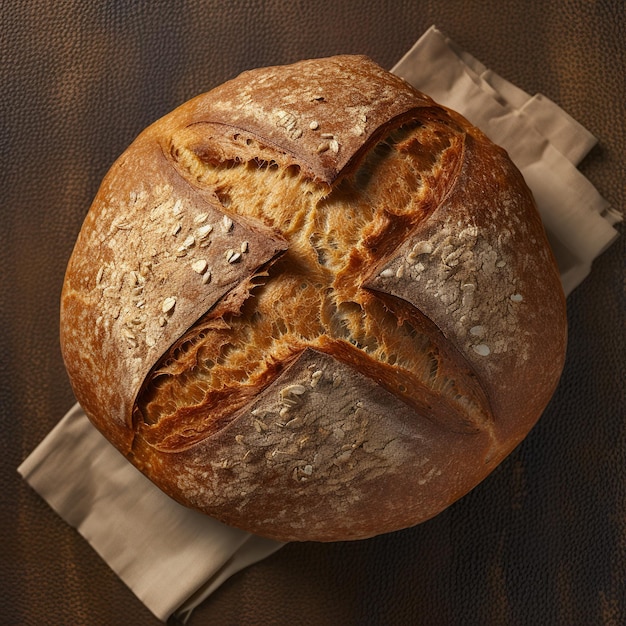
544 141
170 556
173 558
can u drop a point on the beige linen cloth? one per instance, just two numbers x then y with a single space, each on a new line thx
173 558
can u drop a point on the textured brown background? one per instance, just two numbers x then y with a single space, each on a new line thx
542 541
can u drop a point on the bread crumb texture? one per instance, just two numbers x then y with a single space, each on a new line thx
313 296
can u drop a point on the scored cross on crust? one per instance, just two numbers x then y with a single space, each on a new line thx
313 296
309 290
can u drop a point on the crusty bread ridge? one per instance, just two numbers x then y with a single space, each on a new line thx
314 304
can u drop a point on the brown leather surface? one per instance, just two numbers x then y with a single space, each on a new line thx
542 541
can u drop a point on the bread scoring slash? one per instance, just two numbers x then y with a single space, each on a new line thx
314 304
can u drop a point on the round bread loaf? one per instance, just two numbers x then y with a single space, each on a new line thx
314 304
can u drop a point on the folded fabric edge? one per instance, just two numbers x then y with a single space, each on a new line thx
599 217
36 456
567 135
255 549
612 215
225 550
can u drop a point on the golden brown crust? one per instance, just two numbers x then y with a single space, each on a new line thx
321 111
340 458
133 287
482 271
310 289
